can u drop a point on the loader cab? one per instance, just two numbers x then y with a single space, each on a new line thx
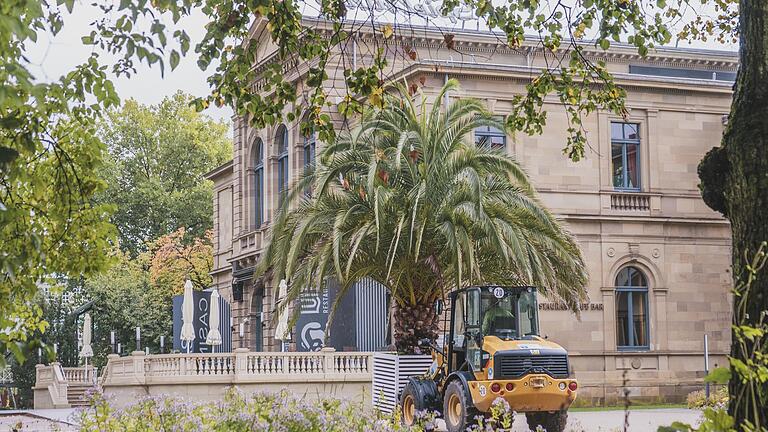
508 313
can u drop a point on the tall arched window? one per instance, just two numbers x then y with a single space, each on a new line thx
309 155
281 141
309 150
631 309
257 167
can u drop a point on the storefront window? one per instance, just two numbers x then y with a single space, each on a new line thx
631 309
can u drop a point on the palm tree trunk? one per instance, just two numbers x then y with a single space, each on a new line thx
413 323
734 182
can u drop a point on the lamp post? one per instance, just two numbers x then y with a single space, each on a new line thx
112 342
162 344
138 338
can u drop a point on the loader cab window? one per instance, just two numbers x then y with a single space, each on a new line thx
529 314
459 324
499 318
474 317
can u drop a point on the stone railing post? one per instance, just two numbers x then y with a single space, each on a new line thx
50 389
329 363
107 371
139 370
285 361
241 364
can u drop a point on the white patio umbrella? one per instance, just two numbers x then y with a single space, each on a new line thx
187 315
214 335
86 351
282 332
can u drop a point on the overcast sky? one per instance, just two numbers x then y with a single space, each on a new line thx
52 58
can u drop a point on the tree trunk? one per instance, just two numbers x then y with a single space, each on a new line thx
413 323
735 182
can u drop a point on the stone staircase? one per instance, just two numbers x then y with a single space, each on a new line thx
77 395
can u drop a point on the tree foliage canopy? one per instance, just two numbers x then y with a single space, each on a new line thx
138 292
157 158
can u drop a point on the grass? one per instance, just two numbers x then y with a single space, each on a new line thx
632 407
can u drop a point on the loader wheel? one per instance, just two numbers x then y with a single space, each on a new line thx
409 404
456 412
549 421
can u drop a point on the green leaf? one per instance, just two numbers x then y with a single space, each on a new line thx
605 44
719 375
174 59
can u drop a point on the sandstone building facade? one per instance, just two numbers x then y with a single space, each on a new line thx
657 257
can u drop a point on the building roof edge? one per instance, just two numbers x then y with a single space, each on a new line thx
219 170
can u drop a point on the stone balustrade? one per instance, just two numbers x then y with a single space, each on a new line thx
631 202
207 376
83 375
50 386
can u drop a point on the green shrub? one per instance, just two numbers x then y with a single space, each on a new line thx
268 412
237 412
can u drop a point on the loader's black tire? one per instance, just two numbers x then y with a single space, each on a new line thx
458 412
411 401
549 421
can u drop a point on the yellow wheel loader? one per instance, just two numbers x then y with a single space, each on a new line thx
492 350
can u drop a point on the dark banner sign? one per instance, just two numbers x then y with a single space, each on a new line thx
202 307
314 310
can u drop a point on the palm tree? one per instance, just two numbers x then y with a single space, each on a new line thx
405 199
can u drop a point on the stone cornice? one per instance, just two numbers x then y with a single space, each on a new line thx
523 75
490 42
484 42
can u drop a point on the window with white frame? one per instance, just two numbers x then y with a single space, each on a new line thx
631 309
491 137
625 156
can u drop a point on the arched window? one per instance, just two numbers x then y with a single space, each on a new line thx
309 150
631 309
257 167
309 155
281 141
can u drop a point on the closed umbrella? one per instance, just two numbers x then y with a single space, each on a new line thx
187 315
86 351
214 335
282 332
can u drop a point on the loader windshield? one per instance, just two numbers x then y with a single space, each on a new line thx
507 313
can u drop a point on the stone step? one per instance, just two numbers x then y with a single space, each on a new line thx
76 395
